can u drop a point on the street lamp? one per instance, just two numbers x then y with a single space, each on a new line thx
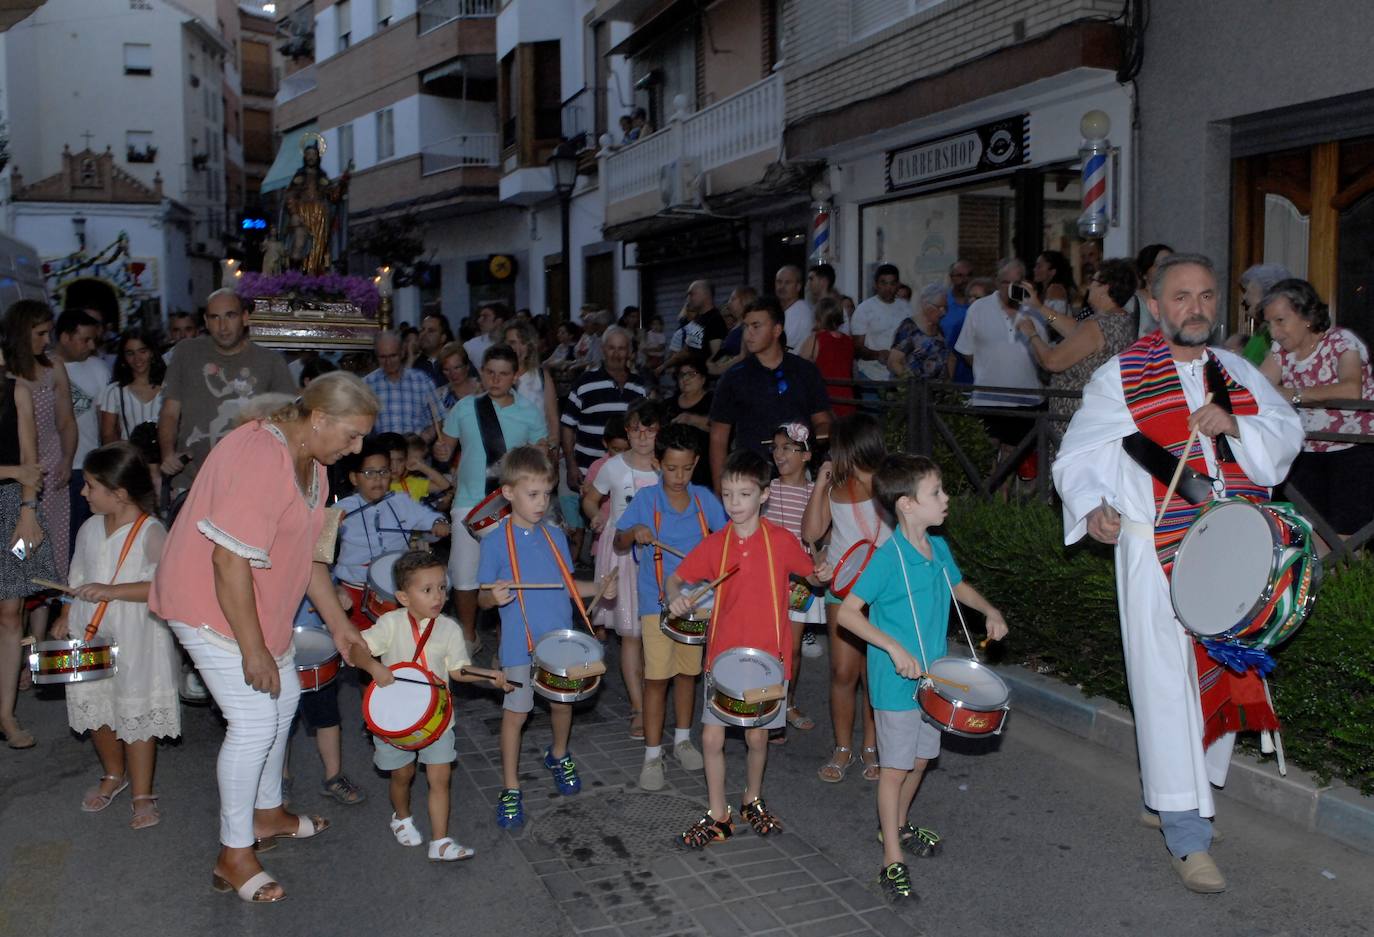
563 166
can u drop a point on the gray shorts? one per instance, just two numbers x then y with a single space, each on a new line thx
904 737
520 699
709 718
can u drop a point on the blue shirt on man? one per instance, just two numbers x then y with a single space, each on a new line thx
951 324
372 529
543 610
680 530
884 589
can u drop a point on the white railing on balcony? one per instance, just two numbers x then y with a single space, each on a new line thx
435 13
296 84
465 149
748 122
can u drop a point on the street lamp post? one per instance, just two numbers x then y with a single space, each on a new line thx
563 166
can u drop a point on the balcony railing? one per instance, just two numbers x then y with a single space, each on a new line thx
296 84
435 13
580 116
465 149
748 122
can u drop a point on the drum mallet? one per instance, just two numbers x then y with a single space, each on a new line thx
1178 471
667 549
695 597
49 584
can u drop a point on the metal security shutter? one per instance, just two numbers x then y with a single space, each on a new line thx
666 284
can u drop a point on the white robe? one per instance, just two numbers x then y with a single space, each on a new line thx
1160 667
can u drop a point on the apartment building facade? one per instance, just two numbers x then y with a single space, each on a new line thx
952 128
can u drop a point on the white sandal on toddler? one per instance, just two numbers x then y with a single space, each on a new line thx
405 832
446 850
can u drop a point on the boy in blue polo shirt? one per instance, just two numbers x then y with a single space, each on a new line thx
907 587
540 551
677 513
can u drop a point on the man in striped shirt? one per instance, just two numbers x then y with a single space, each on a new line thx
600 392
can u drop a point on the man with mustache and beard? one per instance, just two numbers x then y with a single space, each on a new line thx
1247 438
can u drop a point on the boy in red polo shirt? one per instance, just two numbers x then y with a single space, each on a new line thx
750 611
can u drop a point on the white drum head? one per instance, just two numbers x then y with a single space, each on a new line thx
380 578
745 668
400 705
312 646
851 566
1222 567
565 648
985 690
702 609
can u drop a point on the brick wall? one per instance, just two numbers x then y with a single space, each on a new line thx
980 232
824 70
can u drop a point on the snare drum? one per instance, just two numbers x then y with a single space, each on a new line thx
800 595
691 629
851 567
745 687
317 659
407 715
1245 572
979 710
380 595
74 661
567 665
483 519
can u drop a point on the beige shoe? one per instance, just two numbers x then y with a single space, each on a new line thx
1150 820
651 776
1199 873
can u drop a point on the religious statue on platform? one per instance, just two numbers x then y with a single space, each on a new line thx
273 253
314 212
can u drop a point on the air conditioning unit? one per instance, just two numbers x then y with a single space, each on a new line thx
679 184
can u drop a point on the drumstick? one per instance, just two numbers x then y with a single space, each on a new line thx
601 590
931 676
49 584
1178 471
523 585
667 549
489 674
696 596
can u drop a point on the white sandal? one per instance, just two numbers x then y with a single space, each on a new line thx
446 850
405 832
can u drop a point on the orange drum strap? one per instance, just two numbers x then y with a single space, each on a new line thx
515 575
772 590
94 626
420 640
658 551
568 579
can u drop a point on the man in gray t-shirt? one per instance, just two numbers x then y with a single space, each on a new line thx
207 383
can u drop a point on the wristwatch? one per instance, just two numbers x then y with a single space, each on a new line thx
1050 317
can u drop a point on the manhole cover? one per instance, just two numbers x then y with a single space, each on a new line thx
615 827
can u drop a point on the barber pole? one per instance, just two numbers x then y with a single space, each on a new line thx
820 232
1094 154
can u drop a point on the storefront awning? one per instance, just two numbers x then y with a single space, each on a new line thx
288 159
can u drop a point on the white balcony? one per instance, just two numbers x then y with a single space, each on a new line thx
435 13
746 123
296 84
465 149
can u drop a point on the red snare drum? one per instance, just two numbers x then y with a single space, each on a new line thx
357 594
380 596
317 659
970 700
851 567
408 715
483 519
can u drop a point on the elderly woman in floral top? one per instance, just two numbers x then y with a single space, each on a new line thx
918 345
1313 360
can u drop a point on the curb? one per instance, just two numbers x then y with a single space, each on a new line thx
1336 811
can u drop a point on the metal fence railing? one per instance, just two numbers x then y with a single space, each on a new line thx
924 413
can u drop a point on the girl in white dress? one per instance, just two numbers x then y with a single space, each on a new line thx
127 713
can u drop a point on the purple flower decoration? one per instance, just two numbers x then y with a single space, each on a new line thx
329 287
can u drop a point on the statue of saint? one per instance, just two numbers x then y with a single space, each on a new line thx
312 206
273 253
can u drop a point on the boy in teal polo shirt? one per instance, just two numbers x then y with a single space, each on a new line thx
907 587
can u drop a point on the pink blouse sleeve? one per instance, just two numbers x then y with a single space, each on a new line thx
248 497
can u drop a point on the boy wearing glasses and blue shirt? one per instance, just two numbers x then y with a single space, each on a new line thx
770 386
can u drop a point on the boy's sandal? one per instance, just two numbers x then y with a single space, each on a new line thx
405 832
707 830
872 770
636 724
917 840
95 801
799 720
833 772
343 790
146 813
446 850
760 819
250 891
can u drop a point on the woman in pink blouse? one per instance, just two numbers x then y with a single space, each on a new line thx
235 566
1312 361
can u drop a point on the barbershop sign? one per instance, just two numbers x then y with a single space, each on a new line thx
989 148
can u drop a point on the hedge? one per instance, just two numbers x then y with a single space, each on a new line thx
1061 605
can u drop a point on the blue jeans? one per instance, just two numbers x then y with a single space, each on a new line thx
1185 832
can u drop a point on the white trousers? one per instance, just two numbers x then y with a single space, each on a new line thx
250 760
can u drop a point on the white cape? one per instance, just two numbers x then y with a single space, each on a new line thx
1091 468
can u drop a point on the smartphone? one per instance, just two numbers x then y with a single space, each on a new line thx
19 550
1017 293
